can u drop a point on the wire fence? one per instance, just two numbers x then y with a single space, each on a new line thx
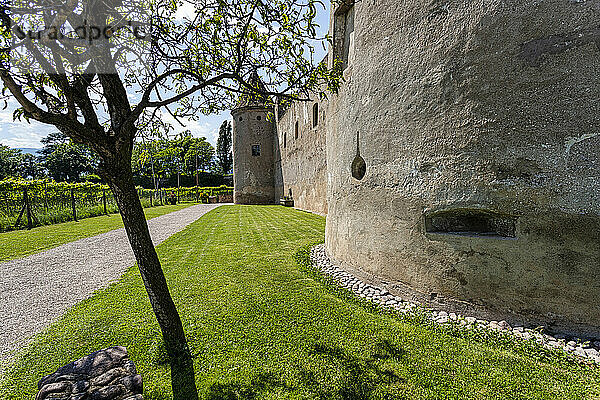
31 203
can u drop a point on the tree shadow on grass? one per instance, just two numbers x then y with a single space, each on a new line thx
262 383
360 377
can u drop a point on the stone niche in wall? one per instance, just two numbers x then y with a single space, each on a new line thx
471 222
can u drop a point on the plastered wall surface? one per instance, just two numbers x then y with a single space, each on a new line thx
301 163
469 108
252 174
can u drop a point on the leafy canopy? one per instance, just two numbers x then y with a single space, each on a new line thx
168 157
101 71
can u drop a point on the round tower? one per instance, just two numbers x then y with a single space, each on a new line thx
253 181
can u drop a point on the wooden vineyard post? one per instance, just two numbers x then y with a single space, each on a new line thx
26 209
161 196
73 205
196 194
151 196
104 201
46 197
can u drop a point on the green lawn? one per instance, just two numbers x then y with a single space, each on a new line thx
261 328
17 244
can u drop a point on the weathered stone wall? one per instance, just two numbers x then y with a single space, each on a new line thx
252 175
488 110
301 163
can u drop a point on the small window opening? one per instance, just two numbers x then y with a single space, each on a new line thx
471 222
284 140
240 119
258 117
296 131
315 114
255 150
343 34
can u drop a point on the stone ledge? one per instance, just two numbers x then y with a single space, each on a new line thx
106 374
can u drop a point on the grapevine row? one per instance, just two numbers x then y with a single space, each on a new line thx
29 203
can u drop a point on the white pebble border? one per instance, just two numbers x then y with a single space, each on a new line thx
585 351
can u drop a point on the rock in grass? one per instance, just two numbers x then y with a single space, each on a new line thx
592 353
580 352
106 374
504 325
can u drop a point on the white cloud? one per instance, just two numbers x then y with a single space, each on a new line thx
20 133
186 10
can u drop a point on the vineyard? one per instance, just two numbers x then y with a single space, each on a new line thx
30 203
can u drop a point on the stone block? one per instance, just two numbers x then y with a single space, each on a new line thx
106 374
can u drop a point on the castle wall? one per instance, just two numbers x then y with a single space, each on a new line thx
301 163
252 173
479 128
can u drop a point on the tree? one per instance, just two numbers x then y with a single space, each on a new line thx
51 142
29 166
197 154
65 160
224 155
142 161
8 161
15 163
77 72
69 162
167 157
150 158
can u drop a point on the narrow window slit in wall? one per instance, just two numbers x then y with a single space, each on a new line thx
296 131
315 114
471 222
343 33
256 150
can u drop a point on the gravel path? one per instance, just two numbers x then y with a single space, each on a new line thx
37 289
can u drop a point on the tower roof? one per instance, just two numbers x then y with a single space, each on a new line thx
254 99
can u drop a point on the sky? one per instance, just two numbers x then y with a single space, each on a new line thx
20 134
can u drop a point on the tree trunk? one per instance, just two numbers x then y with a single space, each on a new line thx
182 369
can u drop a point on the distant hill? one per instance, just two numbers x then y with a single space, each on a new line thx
28 150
